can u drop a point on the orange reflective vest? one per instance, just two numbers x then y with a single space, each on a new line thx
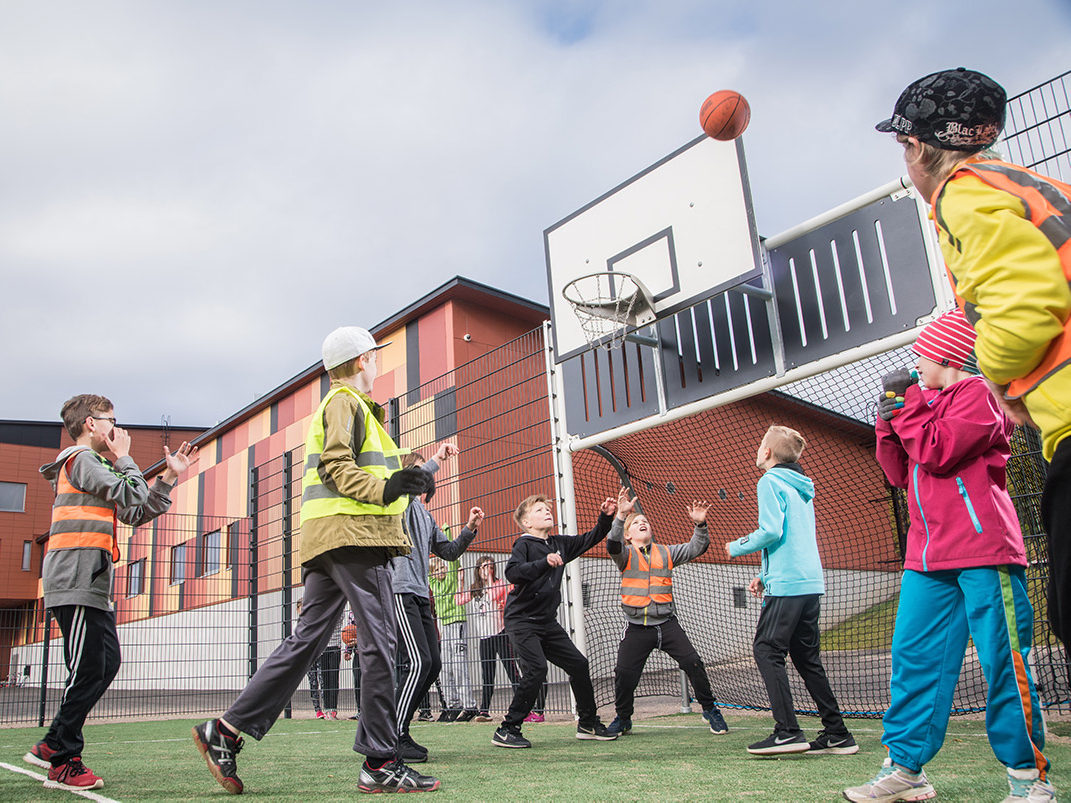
79 519
647 579
1047 204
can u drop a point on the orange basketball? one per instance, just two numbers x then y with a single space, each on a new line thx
724 115
349 635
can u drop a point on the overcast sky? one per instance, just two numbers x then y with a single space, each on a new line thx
193 193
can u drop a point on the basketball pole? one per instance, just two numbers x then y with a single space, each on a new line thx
565 493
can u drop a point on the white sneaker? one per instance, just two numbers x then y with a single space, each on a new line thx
892 784
1027 785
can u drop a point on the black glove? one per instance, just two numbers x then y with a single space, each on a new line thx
890 406
412 481
898 381
429 490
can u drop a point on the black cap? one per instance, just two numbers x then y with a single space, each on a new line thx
958 110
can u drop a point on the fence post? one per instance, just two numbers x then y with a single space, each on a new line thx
252 590
686 697
47 638
287 593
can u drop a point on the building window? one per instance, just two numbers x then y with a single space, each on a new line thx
234 530
12 497
27 555
210 547
136 578
178 564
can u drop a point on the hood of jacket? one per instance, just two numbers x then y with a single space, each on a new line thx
790 475
50 471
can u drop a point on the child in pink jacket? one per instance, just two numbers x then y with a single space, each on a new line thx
947 444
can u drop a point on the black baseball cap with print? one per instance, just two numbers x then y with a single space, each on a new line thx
957 110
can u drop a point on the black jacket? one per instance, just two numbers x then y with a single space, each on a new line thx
536 592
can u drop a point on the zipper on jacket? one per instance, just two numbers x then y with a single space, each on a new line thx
970 507
918 503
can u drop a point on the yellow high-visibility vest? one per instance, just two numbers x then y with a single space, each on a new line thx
379 456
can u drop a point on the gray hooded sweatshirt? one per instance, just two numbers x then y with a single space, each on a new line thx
83 576
410 572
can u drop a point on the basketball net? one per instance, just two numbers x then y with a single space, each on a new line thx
606 305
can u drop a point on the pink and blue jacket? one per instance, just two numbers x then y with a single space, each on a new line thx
949 449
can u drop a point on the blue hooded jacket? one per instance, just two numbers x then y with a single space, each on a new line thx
790 563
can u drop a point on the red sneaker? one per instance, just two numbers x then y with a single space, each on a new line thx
39 755
74 776
321 715
332 715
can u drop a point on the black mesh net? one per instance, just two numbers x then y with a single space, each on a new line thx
861 527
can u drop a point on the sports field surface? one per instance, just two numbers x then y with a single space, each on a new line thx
665 758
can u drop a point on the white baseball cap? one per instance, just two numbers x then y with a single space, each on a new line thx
348 342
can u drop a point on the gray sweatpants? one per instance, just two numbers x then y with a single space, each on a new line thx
362 577
457 688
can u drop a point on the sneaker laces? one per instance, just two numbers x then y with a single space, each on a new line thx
1021 787
76 767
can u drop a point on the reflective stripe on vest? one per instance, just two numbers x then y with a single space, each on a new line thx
643 581
378 456
81 520
1047 204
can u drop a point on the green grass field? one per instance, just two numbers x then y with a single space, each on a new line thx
666 758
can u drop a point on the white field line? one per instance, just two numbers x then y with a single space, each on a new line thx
39 777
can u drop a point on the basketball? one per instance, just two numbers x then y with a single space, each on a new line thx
724 115
349 635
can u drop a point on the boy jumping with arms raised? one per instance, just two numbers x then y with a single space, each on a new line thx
792 580
647 599
535 568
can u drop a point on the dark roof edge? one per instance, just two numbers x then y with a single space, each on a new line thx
443 292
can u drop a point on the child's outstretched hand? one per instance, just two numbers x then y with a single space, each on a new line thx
698 511
475 518
729 548
178 461
555 559
446 449
609 507
756 587
625 506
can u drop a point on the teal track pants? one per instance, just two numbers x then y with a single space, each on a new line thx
937 612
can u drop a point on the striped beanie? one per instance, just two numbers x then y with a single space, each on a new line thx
949 340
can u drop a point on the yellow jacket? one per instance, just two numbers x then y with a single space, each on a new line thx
1016 292
344 432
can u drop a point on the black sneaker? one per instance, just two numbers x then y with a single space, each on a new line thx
619 727
597 732
219 751
449 714
779 742
395 777
509 737
833 744
425 716
410 751
716 721
466 715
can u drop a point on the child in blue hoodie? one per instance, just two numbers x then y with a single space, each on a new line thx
791 577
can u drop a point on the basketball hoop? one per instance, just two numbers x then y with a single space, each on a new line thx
607 304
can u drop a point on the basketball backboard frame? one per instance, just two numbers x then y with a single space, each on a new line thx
685 225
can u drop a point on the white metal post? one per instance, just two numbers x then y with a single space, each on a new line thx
564 490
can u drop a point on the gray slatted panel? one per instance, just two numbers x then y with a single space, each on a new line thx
595 378
912 292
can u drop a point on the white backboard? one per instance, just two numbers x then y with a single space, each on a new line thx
684 227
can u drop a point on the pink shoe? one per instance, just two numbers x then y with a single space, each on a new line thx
320 714
534 717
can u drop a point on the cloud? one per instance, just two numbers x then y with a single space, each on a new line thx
196 192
